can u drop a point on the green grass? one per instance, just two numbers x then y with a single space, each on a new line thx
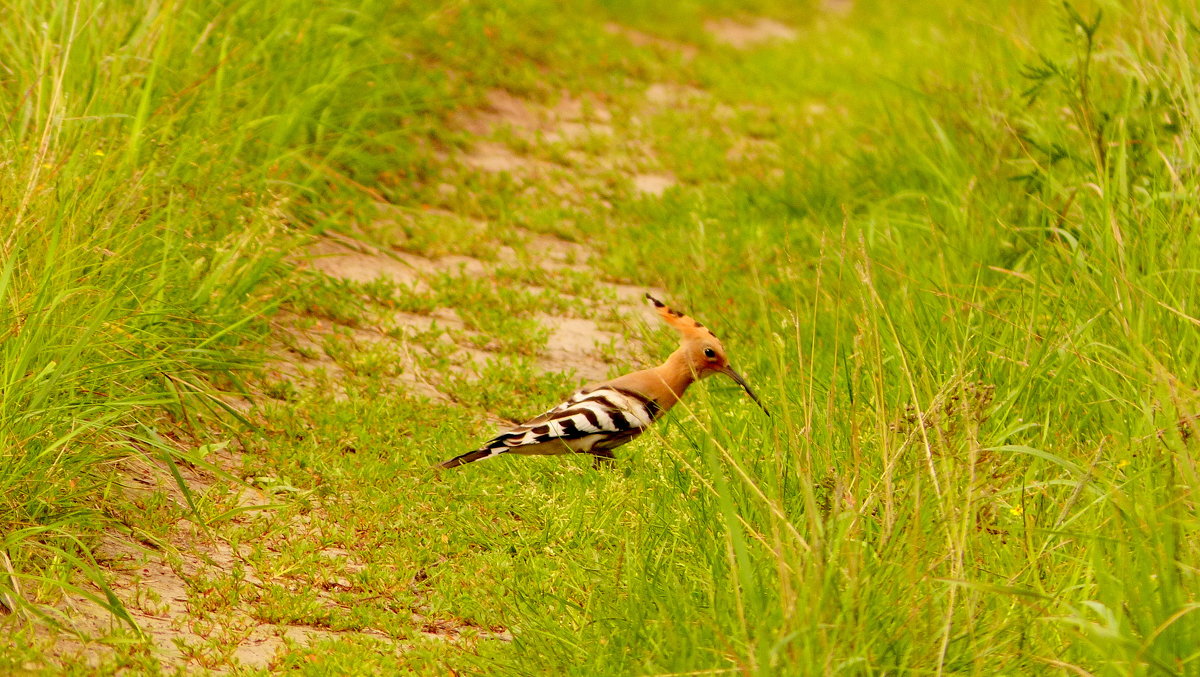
953 248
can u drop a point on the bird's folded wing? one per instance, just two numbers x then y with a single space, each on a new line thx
599 411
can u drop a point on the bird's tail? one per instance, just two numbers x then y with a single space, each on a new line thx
469 457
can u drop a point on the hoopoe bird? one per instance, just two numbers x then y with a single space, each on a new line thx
602 417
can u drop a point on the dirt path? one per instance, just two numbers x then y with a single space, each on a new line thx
163 582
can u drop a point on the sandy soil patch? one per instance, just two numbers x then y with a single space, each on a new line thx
508 128
568 119
837 7
749 33
653 184
574 344
495 157
346 259
669 94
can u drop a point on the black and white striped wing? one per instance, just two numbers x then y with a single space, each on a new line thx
603 411
603 417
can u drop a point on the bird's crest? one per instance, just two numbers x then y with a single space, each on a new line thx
686 326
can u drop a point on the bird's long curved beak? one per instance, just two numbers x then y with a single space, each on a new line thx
728 371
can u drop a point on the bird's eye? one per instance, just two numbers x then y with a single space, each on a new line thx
708 352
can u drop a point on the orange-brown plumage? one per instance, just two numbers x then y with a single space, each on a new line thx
603 416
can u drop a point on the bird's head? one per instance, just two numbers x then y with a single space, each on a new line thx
701 348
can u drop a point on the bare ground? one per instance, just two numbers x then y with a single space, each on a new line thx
159 582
